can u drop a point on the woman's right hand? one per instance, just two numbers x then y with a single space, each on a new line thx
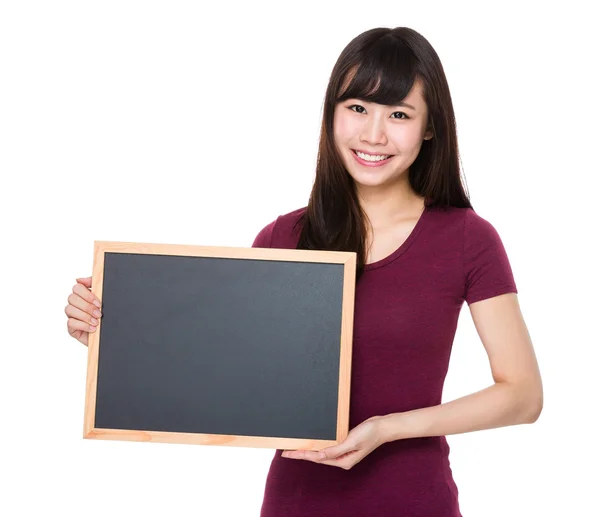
83 310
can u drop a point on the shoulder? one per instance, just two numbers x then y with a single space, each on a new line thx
464 218
292 217
473 220
477 229
460 215
278 232
486 266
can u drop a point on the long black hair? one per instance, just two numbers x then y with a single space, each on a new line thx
381 65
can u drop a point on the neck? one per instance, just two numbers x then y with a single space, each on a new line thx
385 206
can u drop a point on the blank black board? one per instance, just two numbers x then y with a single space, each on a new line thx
220 346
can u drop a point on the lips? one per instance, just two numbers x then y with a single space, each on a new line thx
356 151
368 163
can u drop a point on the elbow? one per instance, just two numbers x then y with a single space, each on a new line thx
527 401
534 412
534 406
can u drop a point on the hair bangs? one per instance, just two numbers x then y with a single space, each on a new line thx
385 74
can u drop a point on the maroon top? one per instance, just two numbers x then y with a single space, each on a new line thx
406 311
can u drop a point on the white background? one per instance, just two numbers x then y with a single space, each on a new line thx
179 122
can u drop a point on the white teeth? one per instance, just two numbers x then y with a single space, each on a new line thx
373 158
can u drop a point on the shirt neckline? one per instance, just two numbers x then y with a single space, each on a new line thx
404 246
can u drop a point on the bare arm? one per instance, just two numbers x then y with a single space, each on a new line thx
516 397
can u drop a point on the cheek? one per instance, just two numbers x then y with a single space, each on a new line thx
407 139
343 128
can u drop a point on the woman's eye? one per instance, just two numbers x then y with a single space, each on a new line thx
356 106
360 109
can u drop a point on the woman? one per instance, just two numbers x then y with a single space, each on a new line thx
388 186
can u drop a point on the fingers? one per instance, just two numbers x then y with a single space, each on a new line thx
78 302
74 325
87 281
304 455
86 295
83 310
81 320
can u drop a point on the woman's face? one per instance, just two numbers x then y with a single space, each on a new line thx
378 143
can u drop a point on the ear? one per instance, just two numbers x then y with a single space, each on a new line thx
428 135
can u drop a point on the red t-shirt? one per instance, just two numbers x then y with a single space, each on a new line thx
406 311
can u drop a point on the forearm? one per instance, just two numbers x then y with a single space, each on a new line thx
499 405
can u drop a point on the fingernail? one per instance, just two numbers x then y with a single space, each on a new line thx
94 321
97 303
92 328
97 313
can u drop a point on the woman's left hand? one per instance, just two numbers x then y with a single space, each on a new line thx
361 441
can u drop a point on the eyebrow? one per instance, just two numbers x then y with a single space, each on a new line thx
401 103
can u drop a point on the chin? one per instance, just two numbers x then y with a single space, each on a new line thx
370 182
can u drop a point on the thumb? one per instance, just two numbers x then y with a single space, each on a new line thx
337 450
87 281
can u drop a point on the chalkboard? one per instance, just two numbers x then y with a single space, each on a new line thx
246 347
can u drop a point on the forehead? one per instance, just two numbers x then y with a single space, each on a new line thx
387 87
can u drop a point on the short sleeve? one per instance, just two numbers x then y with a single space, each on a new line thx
487 270
265 236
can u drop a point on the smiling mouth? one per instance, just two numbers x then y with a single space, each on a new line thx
371 158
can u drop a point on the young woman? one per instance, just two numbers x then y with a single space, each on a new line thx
388 187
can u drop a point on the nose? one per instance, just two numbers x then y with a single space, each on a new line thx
373 131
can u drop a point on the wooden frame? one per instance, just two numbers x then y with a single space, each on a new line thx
347 259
